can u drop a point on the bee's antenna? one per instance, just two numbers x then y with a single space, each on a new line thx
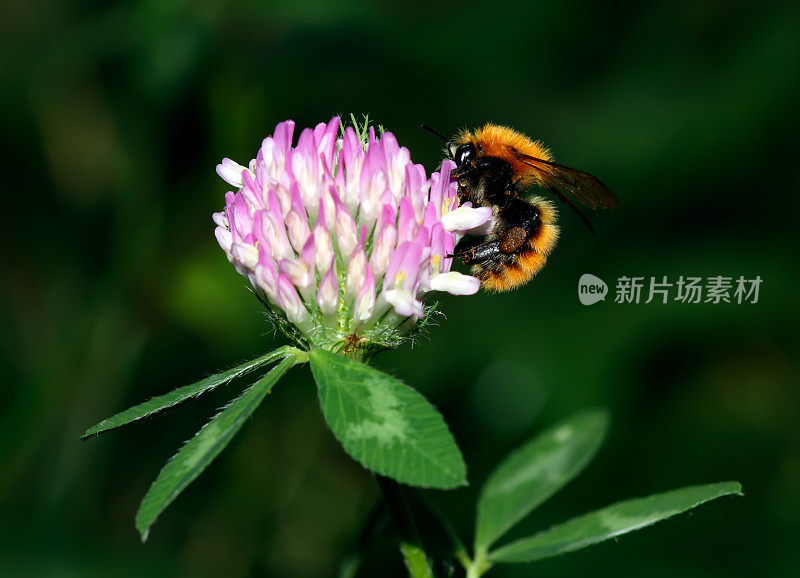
434 131
448 149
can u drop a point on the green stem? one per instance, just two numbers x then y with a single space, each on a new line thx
455 545
407 533
300 355
480 565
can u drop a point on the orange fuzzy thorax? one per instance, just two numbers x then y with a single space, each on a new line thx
500 141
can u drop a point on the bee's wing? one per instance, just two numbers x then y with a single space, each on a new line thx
577 184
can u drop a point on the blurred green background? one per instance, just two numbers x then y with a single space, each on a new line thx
113 288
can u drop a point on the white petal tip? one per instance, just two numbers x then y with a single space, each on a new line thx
404 303
455 283
465 218
231 172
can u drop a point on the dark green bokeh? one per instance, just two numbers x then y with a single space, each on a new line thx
113 288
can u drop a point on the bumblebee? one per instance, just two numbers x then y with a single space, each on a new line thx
495 165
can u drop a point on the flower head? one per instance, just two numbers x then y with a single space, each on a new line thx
342 235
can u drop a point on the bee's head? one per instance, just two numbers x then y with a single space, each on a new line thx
463 153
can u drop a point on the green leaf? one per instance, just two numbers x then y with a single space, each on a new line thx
200 451
536 471
385 425
615 520
181 394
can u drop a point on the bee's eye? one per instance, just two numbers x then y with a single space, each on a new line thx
464 153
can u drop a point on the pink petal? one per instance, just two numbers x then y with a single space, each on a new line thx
328 292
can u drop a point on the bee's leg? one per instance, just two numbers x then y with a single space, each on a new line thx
496 250
514 238
488 251
510 241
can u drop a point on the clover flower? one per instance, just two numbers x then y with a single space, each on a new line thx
342 235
